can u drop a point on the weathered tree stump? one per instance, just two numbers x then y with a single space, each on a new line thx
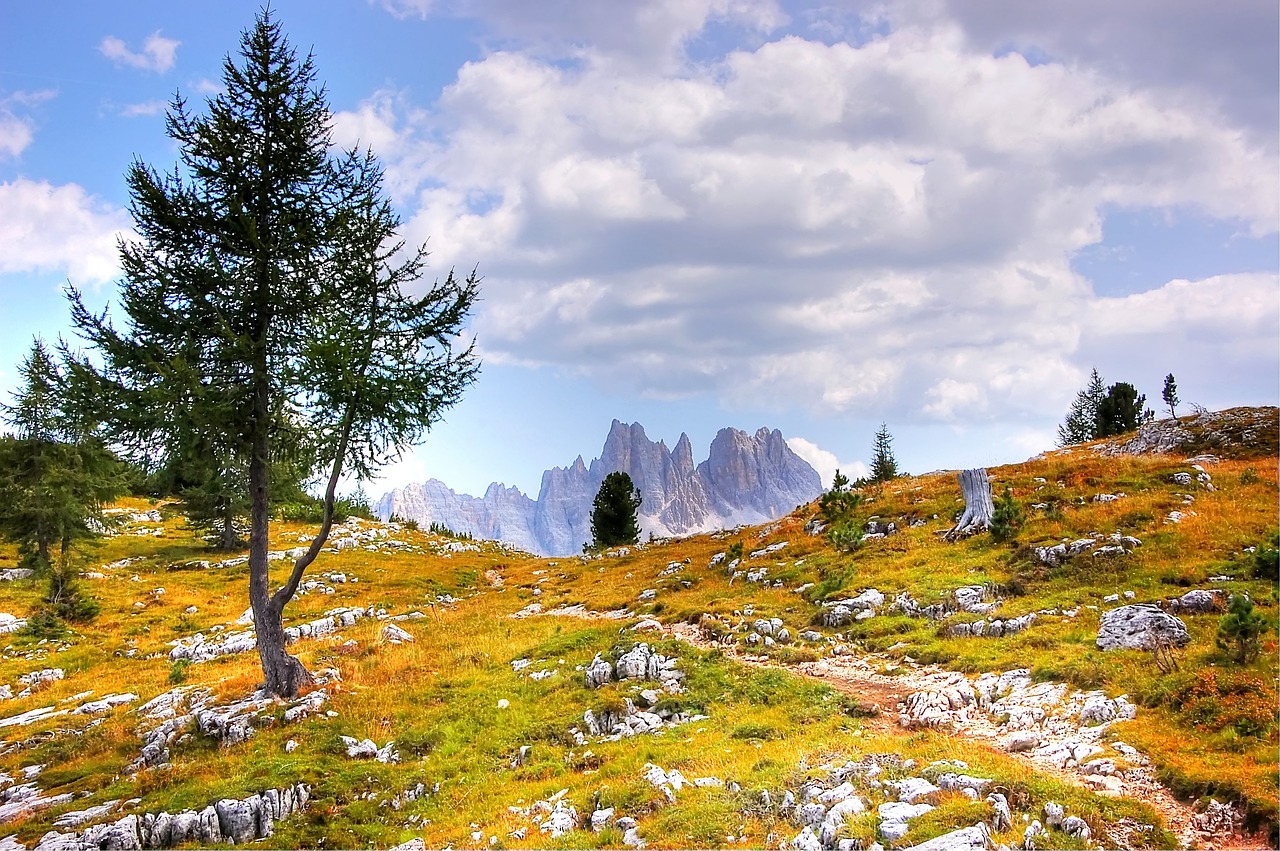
978 506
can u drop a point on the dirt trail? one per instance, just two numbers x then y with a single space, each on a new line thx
858 675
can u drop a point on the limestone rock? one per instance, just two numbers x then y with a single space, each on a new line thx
598 672
1001 817
912 789
1198 601
601 819
976 838
1076 827
236 820
1140 626
395 635
806 840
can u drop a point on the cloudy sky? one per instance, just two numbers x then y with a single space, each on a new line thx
699 213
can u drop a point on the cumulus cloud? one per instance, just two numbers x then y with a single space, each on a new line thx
640 33
1195 50
826 462
158 53
883 226
1218 335
47 228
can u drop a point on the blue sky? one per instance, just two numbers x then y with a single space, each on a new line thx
813 217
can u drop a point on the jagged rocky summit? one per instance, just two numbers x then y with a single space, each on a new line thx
746 479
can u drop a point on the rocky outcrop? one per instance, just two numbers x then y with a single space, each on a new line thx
230 821
1234 433
746 479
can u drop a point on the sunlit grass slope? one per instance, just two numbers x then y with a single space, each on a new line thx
1209 726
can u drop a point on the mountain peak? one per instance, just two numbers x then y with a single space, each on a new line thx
745 479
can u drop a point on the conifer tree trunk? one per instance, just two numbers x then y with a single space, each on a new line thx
227 537
282 674
978 506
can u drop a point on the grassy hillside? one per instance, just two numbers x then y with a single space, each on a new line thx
462 714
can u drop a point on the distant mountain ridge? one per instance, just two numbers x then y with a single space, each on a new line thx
746 479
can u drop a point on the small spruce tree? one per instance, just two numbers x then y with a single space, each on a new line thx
1080 425
839 502
54 479
1119 411
1239 629
613 513
883 465
836 508
1007 518
1170 394
1266 559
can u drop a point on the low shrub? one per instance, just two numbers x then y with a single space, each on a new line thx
755 731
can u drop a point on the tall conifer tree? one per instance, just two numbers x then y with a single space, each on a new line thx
613 512
266 310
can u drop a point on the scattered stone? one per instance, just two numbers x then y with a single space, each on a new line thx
1217 819
1053 814
894 817
598 672
1076 827
913 789
806 840
1001 818
976 838
1198 601
601 819
106 704
11 623
1140 626
395 635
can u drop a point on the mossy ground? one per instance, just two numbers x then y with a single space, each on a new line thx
438 697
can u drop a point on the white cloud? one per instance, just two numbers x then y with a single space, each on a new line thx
1195 50
17 130
1218 335
883 228
15 134
826 462
149 108
205 86
634 34
158 53
61 229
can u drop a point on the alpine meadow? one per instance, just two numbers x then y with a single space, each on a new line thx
247 598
